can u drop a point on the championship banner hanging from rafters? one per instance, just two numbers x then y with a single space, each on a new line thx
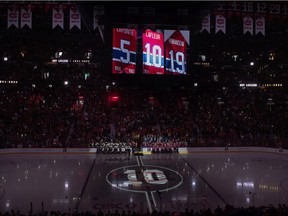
75 17
220 24
206 24
248 25
26 17
12 17
97 12
260 25
58 17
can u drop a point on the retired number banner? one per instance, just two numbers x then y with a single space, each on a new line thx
124 51
153 52
176 54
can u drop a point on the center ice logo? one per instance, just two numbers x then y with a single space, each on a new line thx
144 178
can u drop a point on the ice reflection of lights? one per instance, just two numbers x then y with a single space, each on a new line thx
239 184
7 203
193 183
66 185
60 201
26 174
248 199
180 198
268 187
248 184
245 184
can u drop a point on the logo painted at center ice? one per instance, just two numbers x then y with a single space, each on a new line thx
144 178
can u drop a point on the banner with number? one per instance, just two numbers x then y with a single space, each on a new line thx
26 17
124 51
248 25
176 54
260 25
58 17
153 52
75 18
220 24
13 17
206 24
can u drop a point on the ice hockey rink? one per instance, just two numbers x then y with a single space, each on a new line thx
173 182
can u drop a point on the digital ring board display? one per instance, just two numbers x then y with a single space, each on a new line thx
163 51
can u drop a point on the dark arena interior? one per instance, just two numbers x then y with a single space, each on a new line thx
143 108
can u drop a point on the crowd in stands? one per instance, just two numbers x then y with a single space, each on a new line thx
40 111
280 210
68 116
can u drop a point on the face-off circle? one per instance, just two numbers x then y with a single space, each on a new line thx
146 178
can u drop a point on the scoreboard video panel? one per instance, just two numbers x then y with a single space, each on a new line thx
153 52
124 51
175 54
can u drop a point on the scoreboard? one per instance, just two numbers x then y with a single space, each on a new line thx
162 52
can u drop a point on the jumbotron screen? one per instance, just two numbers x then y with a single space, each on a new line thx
162 51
